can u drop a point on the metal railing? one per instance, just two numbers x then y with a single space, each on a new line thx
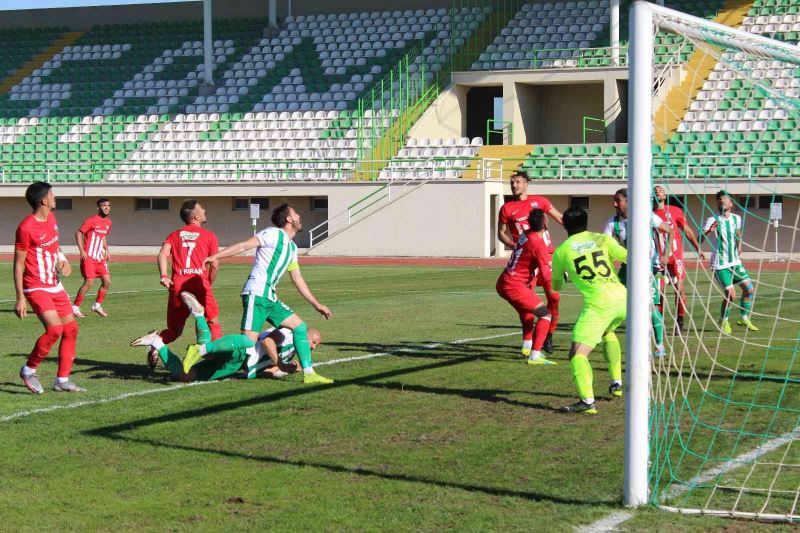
593 120
600 57
506 130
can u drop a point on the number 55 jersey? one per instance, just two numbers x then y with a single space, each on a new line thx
588 260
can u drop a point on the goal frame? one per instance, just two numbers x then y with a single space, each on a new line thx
643 20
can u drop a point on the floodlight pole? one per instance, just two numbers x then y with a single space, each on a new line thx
273 13
208 45
614 19
639 184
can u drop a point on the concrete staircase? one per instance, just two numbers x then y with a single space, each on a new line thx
38 60
674 106
498 162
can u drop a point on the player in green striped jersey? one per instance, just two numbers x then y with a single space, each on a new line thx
276 353
276 254
725 232
587 259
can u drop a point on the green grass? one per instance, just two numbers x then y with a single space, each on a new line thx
437 436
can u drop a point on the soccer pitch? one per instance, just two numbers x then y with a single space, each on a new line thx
434 421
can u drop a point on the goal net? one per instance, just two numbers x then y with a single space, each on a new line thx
713 109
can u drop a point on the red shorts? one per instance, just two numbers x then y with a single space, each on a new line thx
521 297
91 268
43 301
177 312
675 269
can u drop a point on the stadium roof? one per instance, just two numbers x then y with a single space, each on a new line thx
13 5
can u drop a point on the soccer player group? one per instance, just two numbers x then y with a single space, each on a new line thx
193 253
587 260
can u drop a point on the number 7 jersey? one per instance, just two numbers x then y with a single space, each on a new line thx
190 245
588 260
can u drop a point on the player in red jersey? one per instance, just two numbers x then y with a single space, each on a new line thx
530 258
186 249
37 262
513 222
676 220
93 245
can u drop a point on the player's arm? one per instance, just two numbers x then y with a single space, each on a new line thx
80 239
213 270
105 248
270 344
692 238
740 242
708 227
555 214
616 251
62 264
20 307
234 249
504 234
545 270
557 273
305 292
667 230
163 262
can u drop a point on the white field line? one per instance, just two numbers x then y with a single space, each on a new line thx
733 464
146 392
609 523
612 521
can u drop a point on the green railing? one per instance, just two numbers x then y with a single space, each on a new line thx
593 124
506 131
601 57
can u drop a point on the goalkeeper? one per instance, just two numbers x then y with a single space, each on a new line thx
214 360
587 259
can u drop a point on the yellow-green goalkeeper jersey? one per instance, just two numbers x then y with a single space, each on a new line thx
588 260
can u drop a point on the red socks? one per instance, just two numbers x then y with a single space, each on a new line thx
43 345
66 350
216 330
540 332
101 295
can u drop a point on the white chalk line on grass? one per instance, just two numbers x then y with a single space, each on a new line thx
614 520
146 392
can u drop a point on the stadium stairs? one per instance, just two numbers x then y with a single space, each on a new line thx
511 153
38 60
673 108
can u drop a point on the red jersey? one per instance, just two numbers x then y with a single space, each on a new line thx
39 241
514 214
95 230
190 247
672 215
530 255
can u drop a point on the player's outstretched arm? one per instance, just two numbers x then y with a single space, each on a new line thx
692 238
504 234
557 272
21 306
555 214
234 249
163 261
305 292
62 263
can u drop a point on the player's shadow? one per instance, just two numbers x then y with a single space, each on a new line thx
94 369
9 387
367 472
416 349
484 395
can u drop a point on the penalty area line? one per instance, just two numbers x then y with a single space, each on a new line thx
147 392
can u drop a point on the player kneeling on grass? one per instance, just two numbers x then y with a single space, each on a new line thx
587 259
529 259
726 230
208 360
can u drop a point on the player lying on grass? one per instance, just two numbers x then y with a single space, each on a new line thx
587 259
529 260
725 230
276 254
275 353
214 360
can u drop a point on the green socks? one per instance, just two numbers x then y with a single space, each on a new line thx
301 345
201 327
724 309
582 375
171 361
229 343
658 326
747 305
613 354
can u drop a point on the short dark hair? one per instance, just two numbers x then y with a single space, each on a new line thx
102 201
536 220
186 210
280 214
622 192
723 192
521 173
36 192
576 219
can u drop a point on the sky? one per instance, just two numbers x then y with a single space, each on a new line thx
11 5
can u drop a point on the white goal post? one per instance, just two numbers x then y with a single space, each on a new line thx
645 20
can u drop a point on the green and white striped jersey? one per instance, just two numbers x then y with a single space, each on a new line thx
275 255
617 227
725 240
257 357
